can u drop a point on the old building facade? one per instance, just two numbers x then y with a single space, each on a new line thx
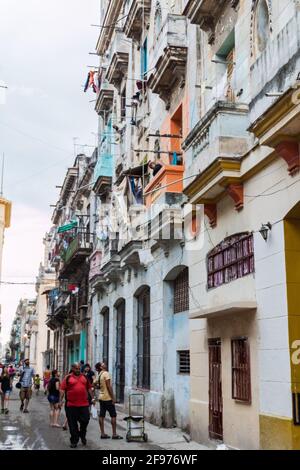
176 244
208 92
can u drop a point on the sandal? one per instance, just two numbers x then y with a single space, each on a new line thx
117 437
105 436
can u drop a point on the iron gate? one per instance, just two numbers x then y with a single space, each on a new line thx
120 353
215 390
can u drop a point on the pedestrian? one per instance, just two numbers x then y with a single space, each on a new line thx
27 375
65 425
77 387
12 371
89 374
81 366
37 383
54 399
46 378
107 400
5 389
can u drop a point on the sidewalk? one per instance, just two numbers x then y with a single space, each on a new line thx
167 439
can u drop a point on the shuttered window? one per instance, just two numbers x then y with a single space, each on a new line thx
241 379
183 362
231 259
181 292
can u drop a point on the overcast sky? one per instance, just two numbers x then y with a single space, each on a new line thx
44 54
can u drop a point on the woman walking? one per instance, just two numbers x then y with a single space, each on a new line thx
53 398
5 389
46 378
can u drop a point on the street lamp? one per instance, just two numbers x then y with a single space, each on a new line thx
264 230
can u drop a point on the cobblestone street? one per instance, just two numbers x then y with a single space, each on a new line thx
31 431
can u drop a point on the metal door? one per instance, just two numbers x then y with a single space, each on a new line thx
215 390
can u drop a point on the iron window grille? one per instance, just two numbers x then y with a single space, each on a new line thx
241 376
183 362
181 292
232 259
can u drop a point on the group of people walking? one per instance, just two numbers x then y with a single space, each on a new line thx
79 391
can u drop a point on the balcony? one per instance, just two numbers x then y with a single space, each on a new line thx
130 254
205 13
112 270
76 253
117 60
170 57
167 180
103 173
266 74
138 11
111 16
105 98
96 278
221 133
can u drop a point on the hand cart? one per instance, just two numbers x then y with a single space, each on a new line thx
136 418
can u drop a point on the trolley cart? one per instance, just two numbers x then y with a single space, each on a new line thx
136 418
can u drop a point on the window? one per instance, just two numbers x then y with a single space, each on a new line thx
231 259
241 380
262 25
105 343
143 331
144 60
157 20
183 362
123 104
225 68
181 292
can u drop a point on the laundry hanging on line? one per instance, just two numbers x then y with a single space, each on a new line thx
90 82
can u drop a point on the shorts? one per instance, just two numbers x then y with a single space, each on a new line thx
7 393
37 387
25 393
53 399
107 406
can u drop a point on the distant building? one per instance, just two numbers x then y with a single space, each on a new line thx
5 217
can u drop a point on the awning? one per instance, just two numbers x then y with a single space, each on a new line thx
137 171
66 228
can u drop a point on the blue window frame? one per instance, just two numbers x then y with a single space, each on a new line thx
144 60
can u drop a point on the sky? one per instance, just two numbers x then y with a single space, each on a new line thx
44 59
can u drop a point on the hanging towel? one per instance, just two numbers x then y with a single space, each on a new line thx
174 161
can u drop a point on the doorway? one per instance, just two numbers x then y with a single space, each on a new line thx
120 352
215 390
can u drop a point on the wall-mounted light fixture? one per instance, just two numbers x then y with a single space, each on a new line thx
264 230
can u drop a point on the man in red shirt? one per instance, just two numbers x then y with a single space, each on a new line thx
77 388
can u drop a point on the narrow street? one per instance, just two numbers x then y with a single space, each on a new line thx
31 431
